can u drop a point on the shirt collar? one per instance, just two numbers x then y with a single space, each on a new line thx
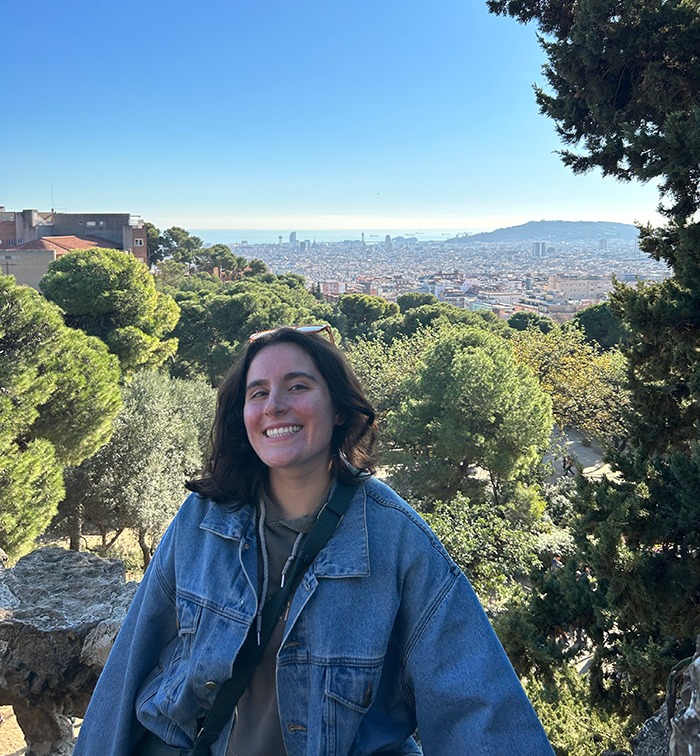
345 555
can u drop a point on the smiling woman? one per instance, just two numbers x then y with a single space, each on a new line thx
311 595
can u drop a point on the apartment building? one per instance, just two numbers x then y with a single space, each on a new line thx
30 239
589 288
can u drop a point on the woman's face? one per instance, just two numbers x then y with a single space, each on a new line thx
288 412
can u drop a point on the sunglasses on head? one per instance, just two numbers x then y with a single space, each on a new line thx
324 330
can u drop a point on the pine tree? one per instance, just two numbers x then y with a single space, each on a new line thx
624 91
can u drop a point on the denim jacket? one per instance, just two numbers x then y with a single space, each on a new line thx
384 635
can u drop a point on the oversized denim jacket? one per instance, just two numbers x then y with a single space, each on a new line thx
384 635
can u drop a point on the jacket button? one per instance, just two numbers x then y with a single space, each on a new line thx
246 546
210 685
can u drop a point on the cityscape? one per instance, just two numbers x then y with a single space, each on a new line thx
554 278
540 266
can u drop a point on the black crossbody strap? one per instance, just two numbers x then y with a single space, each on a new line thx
251 651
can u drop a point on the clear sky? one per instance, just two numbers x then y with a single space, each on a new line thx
312 114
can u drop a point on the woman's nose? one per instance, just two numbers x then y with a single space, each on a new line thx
275 403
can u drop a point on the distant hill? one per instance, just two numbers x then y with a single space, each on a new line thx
555 231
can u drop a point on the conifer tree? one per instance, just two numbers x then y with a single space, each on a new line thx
58 395
624 91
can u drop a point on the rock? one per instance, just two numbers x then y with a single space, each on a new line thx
59 614
685 722
652 739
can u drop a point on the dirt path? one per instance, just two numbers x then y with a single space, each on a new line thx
11 739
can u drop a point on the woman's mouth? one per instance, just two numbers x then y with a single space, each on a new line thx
286 430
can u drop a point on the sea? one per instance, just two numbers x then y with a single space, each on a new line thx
257 236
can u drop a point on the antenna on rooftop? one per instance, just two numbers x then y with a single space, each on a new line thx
52 210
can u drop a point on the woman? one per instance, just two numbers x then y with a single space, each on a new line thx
383 633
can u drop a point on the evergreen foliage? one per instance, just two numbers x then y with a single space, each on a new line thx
572 726
137 480
601 326
587 387
494 543
58 395
413 299
624 84
216 320
358 313
110 294
469 405
524 319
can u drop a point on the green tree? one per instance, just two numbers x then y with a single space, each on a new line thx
434 316
179 244
383 368
494 543
360 311
154 244
221 259
214 323
58 396
623 90
601 326
413 299
111 295
170 274
587 386
136 481
255 267
470 405
524 319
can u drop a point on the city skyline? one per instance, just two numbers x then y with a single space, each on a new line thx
239 117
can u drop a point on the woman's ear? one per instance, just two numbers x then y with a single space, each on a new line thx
339 419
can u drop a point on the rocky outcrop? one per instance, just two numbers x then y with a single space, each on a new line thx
675 728
652 739
59 614
685 722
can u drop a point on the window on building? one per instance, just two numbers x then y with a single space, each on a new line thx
91 224
138 242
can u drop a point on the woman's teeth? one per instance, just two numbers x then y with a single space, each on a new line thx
286 431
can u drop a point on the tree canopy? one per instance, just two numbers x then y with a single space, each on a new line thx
587 386
623 84
525 319
58 395
601 326
215 321
110 294
623 91
360 311
137 479
470 404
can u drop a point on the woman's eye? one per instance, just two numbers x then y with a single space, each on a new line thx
256 394
298 387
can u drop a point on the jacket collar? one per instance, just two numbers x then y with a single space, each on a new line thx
345 555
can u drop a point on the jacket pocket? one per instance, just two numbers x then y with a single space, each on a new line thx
350 690
175 666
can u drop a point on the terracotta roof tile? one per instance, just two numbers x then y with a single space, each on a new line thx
61 244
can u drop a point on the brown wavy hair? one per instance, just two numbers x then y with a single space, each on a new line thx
233 471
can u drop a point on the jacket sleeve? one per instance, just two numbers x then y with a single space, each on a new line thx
110 727
468 698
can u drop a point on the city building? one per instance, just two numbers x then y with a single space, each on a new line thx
29 262
591 288
30 239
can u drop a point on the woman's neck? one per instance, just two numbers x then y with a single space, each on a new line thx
296 496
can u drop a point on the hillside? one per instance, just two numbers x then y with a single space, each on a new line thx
555 231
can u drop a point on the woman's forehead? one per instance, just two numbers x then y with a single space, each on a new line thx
280 359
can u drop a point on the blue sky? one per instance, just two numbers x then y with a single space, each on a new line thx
371 114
